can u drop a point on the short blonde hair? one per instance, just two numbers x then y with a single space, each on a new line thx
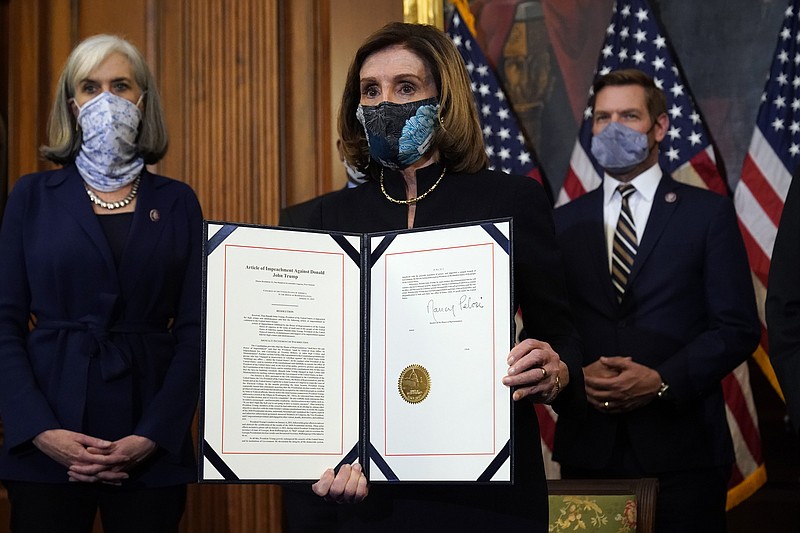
63 135
459 140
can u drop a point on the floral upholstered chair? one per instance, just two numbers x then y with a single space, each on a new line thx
602 506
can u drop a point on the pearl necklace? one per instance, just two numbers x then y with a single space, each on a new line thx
416 198
119 203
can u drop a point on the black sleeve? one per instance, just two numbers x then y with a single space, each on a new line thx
541 290
783 302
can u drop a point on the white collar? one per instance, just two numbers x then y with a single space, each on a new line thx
646 184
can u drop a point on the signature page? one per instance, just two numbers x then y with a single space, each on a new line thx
440 334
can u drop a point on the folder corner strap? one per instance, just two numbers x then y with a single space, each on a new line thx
213 458
219 237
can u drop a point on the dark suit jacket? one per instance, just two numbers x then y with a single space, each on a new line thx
101 344
689 312
783 302
297 215
540 291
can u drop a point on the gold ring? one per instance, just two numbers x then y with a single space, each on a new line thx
605 404
544 372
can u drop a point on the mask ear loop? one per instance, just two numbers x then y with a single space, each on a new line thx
655 143
74 102
441 122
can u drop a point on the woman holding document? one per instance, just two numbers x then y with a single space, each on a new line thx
409 122
100 311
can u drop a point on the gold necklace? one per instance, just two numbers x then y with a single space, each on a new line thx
415 199
114 205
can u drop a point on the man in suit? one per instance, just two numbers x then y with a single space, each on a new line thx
661 294
783 302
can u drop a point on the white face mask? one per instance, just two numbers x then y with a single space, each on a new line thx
108 159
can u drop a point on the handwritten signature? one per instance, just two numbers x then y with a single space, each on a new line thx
439 311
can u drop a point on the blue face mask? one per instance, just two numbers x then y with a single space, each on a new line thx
619 148
398 135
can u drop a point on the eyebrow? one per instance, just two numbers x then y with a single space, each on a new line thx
115 80
396 78
621 111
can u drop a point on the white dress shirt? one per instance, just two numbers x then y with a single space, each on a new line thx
640 203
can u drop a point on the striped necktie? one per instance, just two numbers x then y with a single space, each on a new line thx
625 243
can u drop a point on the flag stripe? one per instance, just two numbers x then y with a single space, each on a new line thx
703 171
745 460
757 230
768 165
737 404
736 475
582 177
547 427
770 205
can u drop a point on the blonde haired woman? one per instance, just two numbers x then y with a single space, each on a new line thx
100 311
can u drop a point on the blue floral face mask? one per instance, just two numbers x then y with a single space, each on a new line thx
108 159
619 148
399 134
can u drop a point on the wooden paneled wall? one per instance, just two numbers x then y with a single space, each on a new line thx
220 61
250 90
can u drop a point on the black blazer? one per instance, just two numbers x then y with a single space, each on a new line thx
783 302
539 290
297 215
688 311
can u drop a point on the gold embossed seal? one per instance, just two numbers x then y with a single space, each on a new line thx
414 383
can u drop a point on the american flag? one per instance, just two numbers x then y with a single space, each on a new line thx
505 144
773 156
635 40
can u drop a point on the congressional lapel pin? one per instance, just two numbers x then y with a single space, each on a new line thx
670 197
155 216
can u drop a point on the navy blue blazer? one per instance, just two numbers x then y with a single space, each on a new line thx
116 350
688 311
